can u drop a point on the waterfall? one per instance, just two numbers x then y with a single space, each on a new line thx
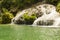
47 15
50 17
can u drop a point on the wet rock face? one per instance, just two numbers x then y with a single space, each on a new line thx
19 21
46 22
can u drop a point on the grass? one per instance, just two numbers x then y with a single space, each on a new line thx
24 32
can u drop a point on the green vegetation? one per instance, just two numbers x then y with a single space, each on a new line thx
6 16
58 7
0 20
19 32
29 19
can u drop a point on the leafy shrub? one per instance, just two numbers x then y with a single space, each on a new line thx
58 7
0 17
6 17
29 19
0 20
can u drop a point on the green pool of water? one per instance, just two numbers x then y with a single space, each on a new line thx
24 32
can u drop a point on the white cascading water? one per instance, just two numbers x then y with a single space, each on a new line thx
50 13
18 16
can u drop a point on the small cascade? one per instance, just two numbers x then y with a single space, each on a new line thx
50 17
15 19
